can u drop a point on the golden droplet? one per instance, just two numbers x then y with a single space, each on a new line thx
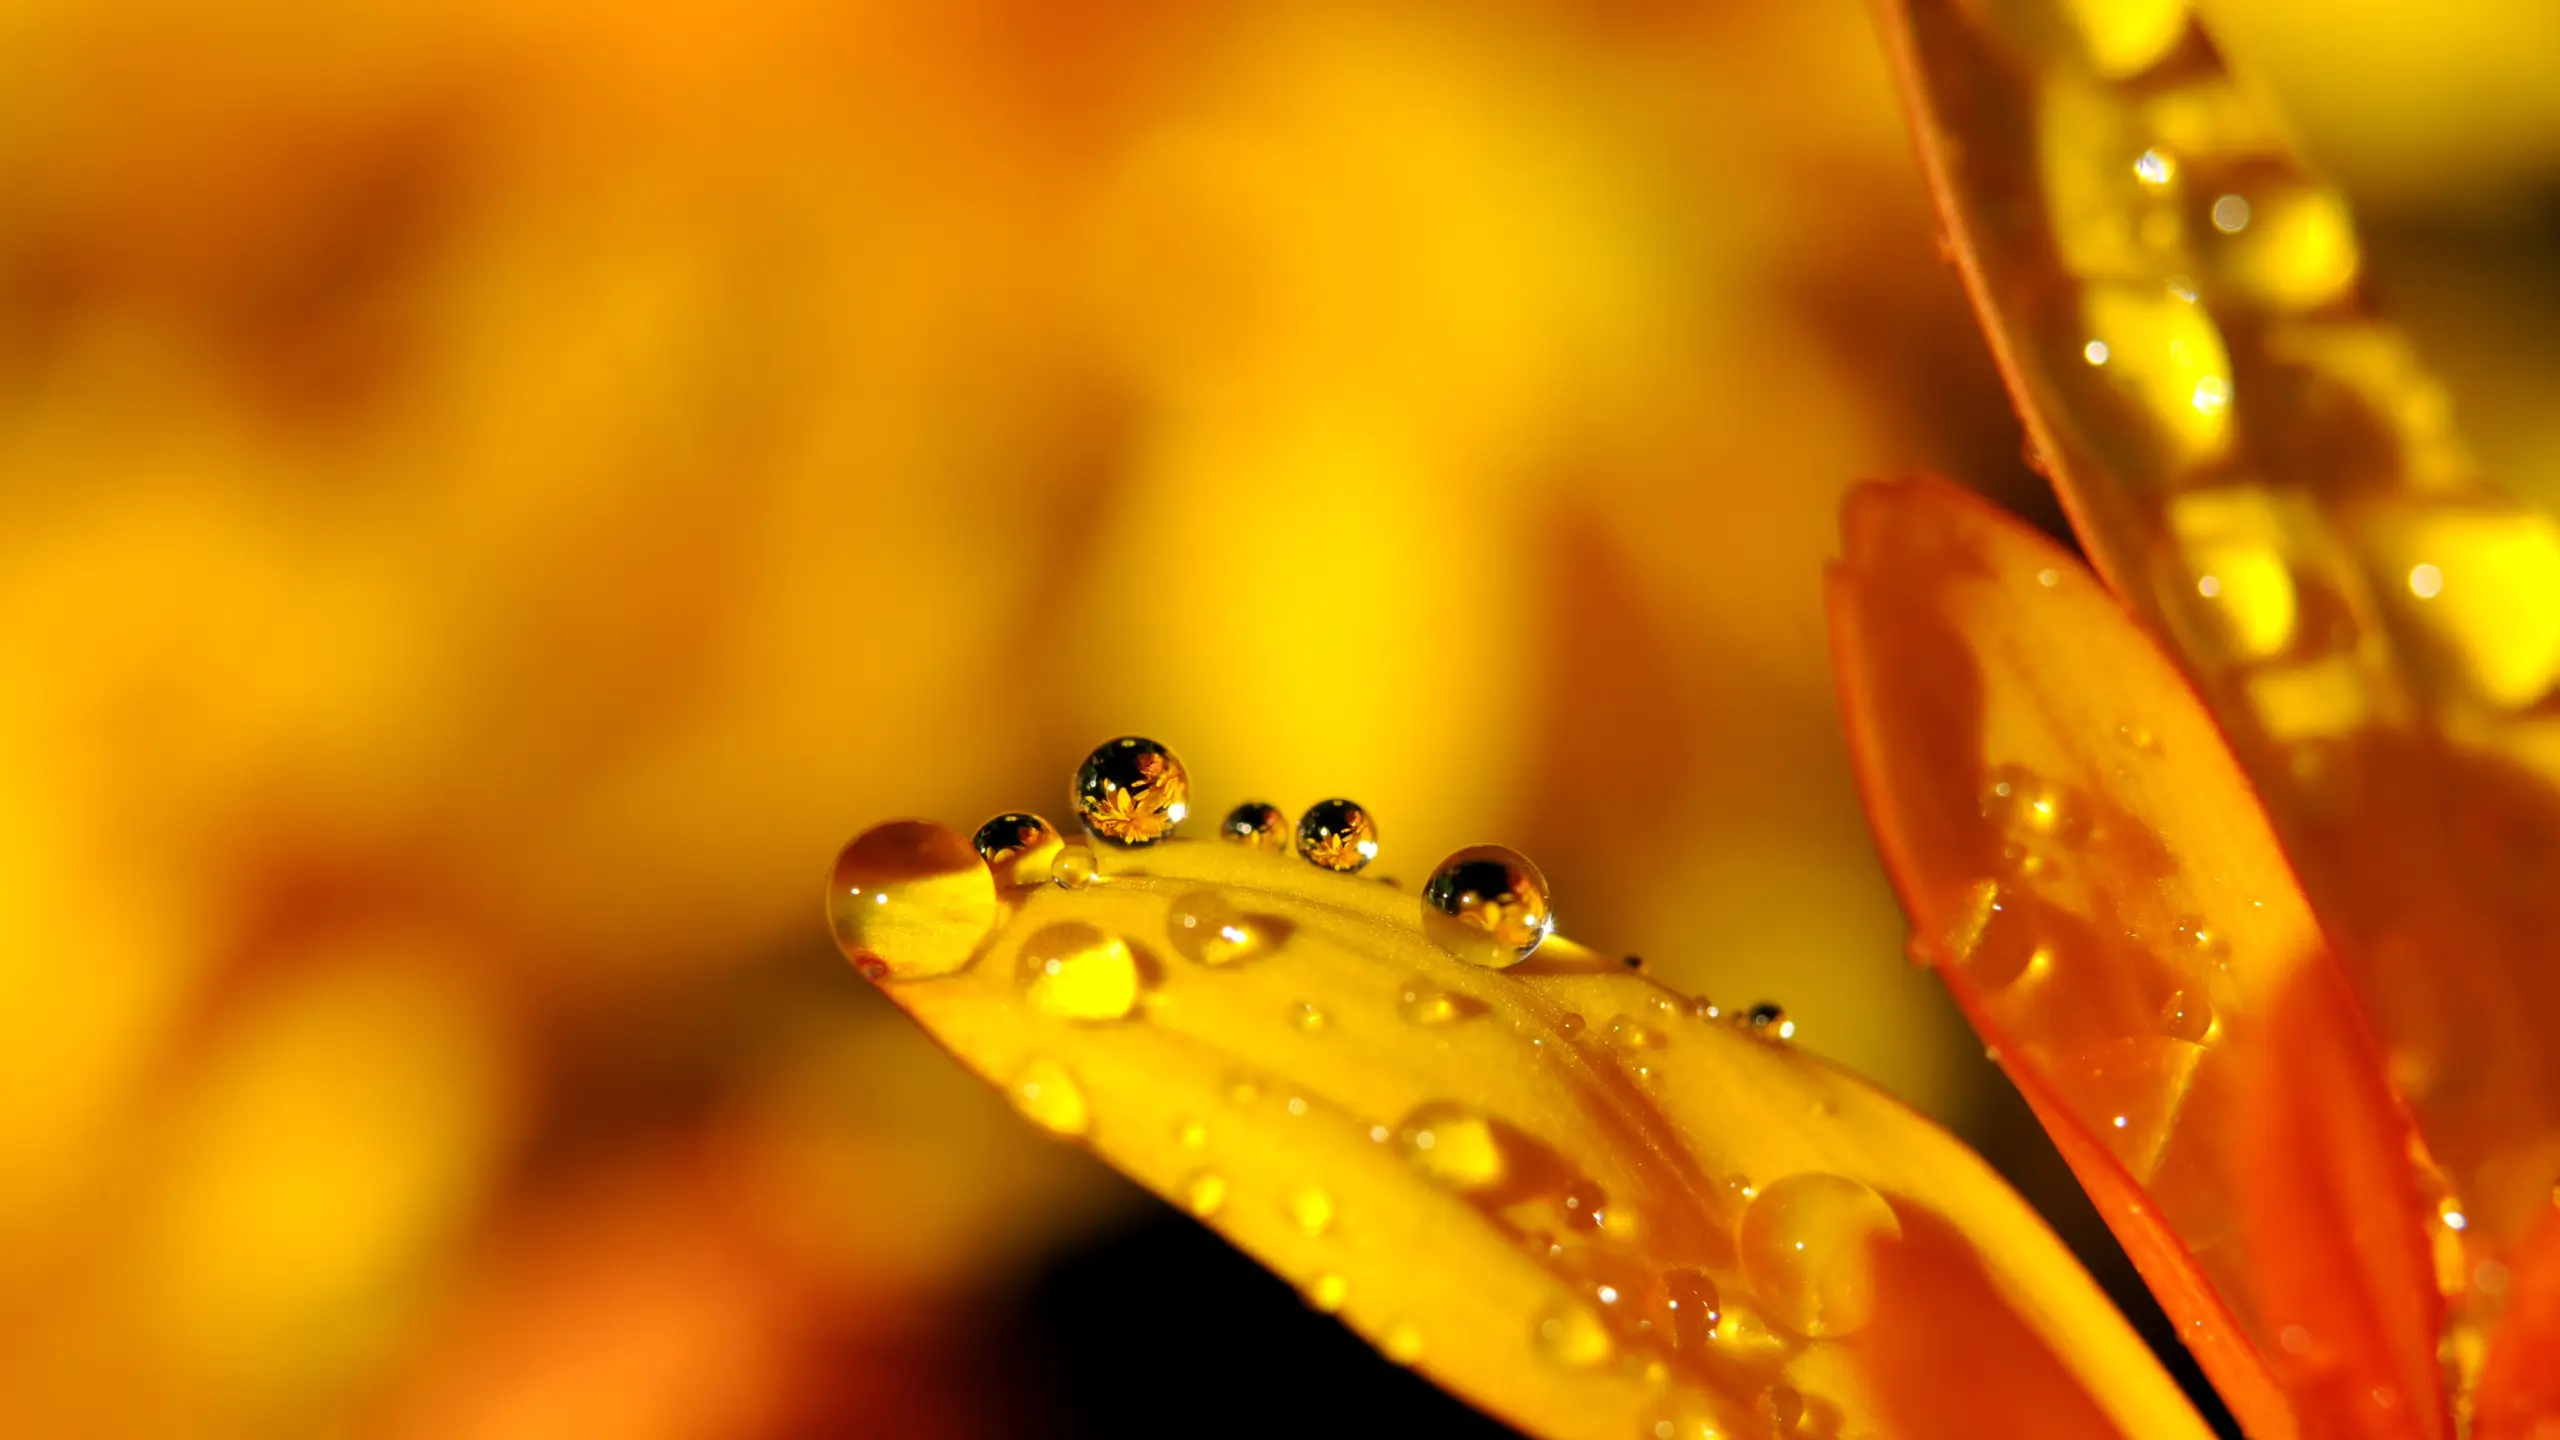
1206 1193
1073 868
1073 971
1307 1017
1312 1208
1692 1308
1326 1292
1207 929
1769 1020
1429 1006
1019 848
909 899
1806 1248
1585 1205
1338 835
1256 825
1403 1343
1455 1146
1131 792
1049 1097
1489 905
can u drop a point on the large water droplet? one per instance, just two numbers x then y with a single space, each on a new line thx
1073 868
1455 1146
1256 825
1568 1333
1019 848
1489 905
909 899
1049 1097
1207 929
1338 835
1805 1246
1131 791
1073 971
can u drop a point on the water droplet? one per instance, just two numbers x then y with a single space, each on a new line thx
1191 1135
1207 929
1131 791
909 899
1455 1146
1783 1406
1073 971
1570 1334
1570 1025
1703 1008
2197 935
1073 868
1307 1017
1311 1207
2140 738
1769 1020
1489 905
1585 1205
1326 1292
1206 1193
1338 835
1256 825
1050 1098
1429 1006
1805 1246
1018 847
1628 1033
1403 1343
2188 1016
1691 1309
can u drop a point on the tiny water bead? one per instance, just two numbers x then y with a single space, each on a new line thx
1338 835
909 899
1049 1097
1073 971
1806 1245
1427 1005
1207 929
1326 1293
1456 1147
1768 1020
1585 1206
1307 1017
1488 904
1205 1193
1311 1207
1019 848
1073 868
1131 791
1256 825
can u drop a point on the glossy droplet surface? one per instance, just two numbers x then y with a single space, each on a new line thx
1487 904
1206 928
1692 1308
1205 1193
1131 791
909 899
1049 1097
1073 868
1806 1246
1019 847
1429 1005
1455 1146
1256 825
1769 1019
1326 1292
1073 971
1338 835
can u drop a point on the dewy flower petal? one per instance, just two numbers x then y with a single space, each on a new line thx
1591 1205
2105 899
2266 474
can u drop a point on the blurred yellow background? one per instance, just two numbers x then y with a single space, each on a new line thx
492 495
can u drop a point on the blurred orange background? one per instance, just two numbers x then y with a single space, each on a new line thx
492 495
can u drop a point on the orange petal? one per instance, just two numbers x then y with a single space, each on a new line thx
2104 898
1588 1204
2519 1397
2267 474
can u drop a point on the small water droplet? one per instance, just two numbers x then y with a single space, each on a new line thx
2140 738
1403 1343
1049 1097
1207 929
1018 847
1073 971
1205 1193
1338 835
1570 1334
1805 1245
1488 905
1625 1032
1570 1025
1256 825
2188 1016
1311 1206
1429 1006
1783 1406
1307 1017
1191 1135
1073 869
1326 1292
2196 934
1131 791
909 899
1691 1309
1769 1020
1703 1008
1585 1205
1455 1146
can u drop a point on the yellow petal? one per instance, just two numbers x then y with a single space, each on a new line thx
2107 903
2375 628
1578 1199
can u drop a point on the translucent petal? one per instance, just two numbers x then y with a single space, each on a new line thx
1566 1193
2376 629
2519 1396
2097 885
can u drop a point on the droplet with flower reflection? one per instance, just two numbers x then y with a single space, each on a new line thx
1131 791
1487 904
1338 835
1018 847
1256 825
909 899
1806 1244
